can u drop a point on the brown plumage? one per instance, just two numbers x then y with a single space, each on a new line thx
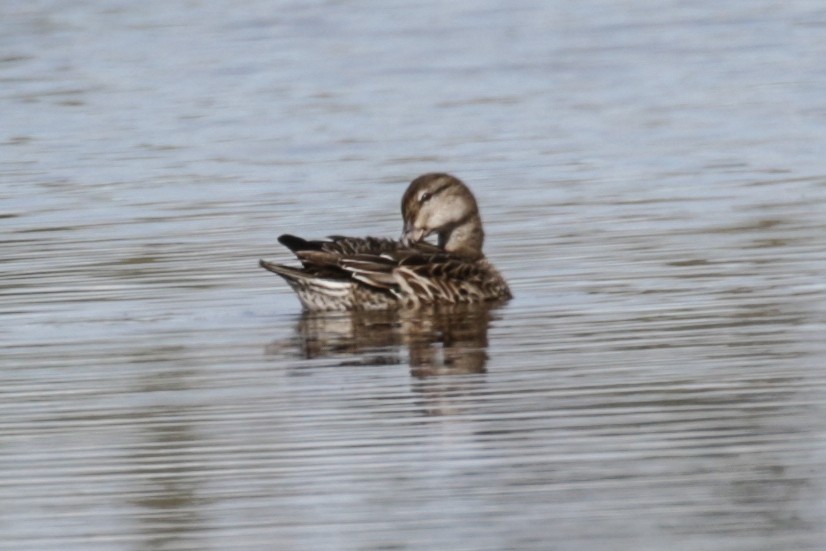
347 273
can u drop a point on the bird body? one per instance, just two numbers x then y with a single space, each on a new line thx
349 273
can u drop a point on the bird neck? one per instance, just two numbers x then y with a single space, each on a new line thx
465 238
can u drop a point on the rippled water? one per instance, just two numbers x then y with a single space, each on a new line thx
652 180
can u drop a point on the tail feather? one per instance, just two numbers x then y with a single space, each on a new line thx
288 273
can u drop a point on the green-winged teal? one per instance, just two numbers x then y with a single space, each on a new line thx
350 273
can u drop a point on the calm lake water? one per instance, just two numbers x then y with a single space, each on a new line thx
653 181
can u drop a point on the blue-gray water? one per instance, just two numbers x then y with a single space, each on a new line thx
652 176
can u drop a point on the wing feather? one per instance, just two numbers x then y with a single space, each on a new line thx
418 274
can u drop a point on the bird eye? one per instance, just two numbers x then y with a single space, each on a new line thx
424 197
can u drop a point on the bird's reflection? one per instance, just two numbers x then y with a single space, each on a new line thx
438 341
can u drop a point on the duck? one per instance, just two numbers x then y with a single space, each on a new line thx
343 273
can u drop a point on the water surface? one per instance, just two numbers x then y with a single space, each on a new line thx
652 183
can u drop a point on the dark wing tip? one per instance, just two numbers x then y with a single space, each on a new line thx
295 243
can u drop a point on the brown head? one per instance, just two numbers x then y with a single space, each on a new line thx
440 203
